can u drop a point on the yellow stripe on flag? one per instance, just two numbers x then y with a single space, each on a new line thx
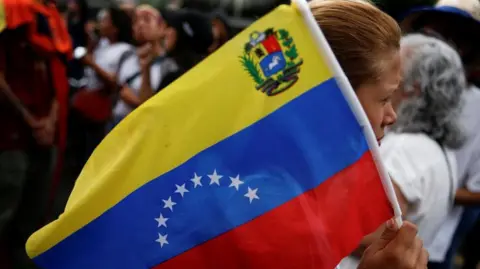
3 18
213 101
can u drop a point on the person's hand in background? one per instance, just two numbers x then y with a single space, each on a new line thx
45 128
396 249
145 56
87 60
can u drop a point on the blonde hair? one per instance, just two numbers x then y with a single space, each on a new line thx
361 36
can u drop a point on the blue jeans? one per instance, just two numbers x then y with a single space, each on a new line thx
469 218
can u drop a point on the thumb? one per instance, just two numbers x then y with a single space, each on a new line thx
387 236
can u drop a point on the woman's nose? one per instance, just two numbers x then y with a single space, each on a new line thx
390 115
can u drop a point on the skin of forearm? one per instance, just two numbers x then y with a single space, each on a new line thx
104 76
129 97
465 197
146 90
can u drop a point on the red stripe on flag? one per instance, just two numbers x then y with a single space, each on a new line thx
314 230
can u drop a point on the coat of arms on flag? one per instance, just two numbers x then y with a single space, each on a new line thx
271 59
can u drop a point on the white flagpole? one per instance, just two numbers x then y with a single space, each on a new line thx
354 103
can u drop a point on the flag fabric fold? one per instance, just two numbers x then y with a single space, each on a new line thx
253 159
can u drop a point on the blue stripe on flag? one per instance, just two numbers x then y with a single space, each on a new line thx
278 158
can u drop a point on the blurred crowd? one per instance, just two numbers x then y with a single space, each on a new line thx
126 56
60 97
116 62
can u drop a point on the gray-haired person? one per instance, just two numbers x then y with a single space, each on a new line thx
418 150
457 22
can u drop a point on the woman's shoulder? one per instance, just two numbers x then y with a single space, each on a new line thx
415 161
120 47
414 151
412 142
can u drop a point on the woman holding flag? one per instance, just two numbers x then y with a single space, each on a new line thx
373 67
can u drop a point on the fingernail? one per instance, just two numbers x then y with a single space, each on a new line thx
391 224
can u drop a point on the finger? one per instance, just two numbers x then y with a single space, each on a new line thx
422 262
142 53
38 124
40 140
414 253
144 49
388 235
406 236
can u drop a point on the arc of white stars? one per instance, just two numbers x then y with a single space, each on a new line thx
162 221
169 203
196 181
162 239
181 189
215 178
236 182
252 194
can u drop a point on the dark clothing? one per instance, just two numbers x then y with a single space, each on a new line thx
29 79
25 177
84 136
25 167
471 247
466 225
75 68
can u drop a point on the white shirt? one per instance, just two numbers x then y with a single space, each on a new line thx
131 67
468 156
107 57
418 166
468 160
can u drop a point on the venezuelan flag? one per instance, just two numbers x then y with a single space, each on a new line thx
3 19
253 159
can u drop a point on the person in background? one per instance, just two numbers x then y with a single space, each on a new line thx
455 22
366 43
32 69
187 39
77 18
92 106
221 29
26 152
418 150
137 72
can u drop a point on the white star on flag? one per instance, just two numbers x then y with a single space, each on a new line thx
252 194
162 239
236 182
181 189
169 203
196 180
215 178
161 221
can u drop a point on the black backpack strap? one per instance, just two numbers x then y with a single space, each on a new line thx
451 176
157 59
125 55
